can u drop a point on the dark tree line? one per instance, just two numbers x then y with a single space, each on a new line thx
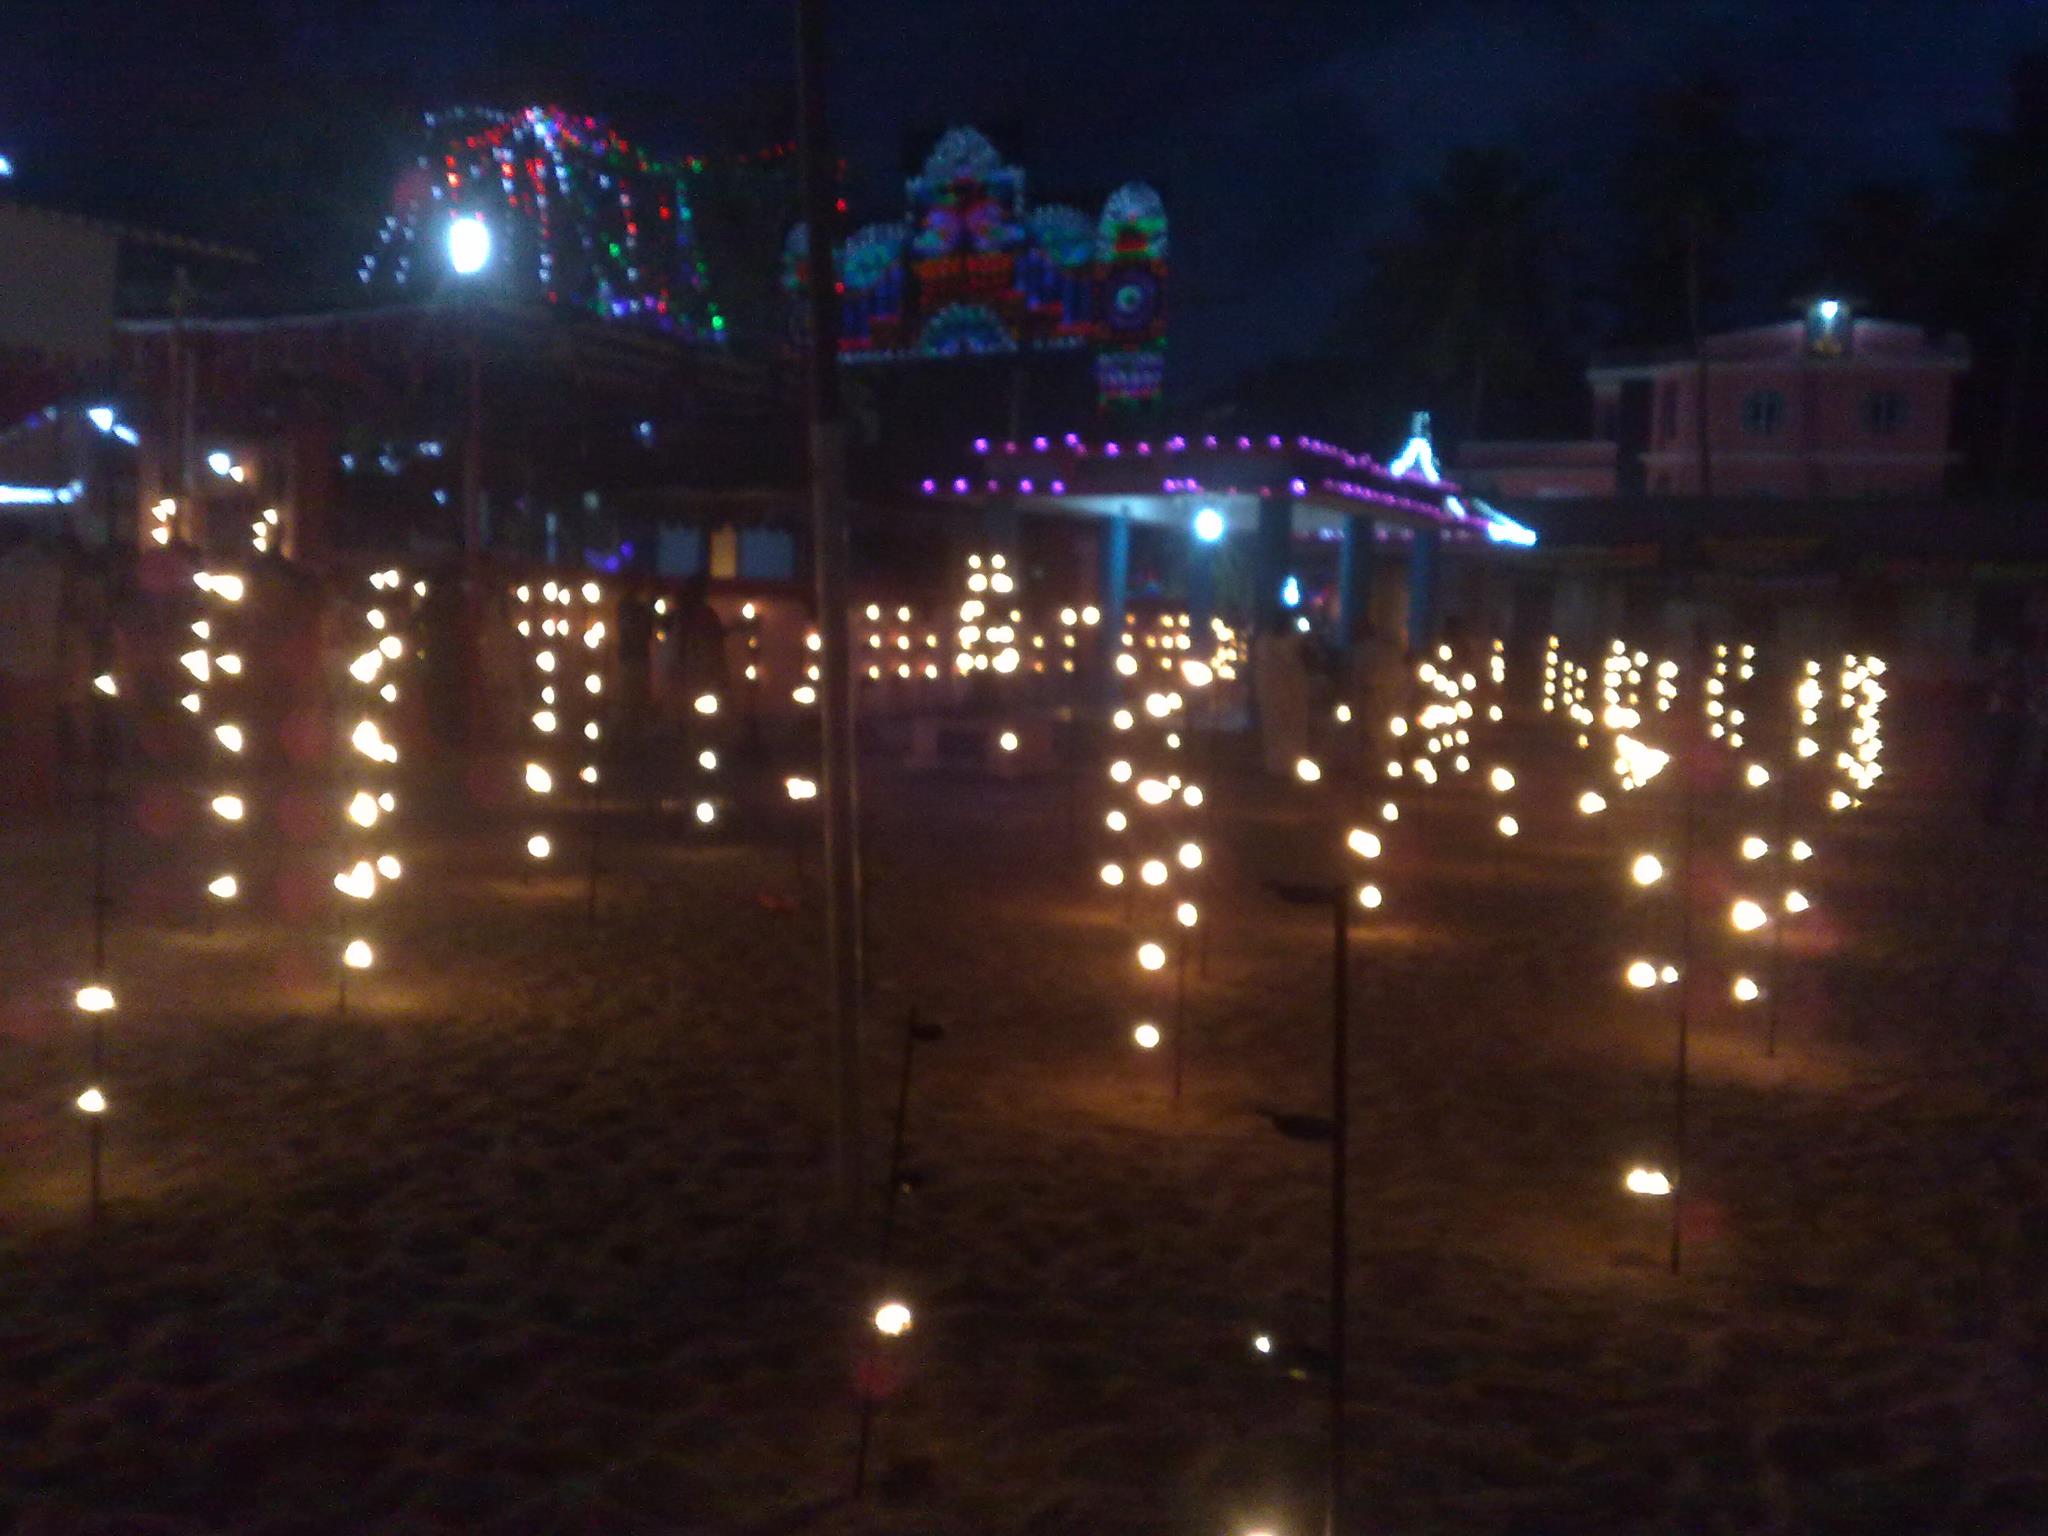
1485 307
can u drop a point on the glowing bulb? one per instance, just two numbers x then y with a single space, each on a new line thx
223 888
1745 990
1591 804
1369 897
1363 843
1112 874
229 736
358 955
1007 741
544 720
706 812
1754 847
359 882
1501 780
538 779
362 810
1120 771
1263 1343
1153 872
1801 850
105 684
1648 869
893 1319
593 684
1795 901
92 1102
537 846
1116 821
1646 1181
1153 792
1747 916
1147 1036
1186 915
589 773
1151 957
707 703
1757 775
228 807
1307 770
1509 826
1389 811
801 789
1641 974
94 999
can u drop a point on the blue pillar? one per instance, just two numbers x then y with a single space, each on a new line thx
1270 564
1424 560
1201 593
1355 558
1111 590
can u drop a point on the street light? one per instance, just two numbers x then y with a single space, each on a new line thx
469 244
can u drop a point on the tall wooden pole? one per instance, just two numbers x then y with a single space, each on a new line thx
1340 1229
828 549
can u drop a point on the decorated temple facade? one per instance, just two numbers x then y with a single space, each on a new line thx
974 270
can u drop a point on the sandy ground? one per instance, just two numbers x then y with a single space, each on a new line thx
534 1239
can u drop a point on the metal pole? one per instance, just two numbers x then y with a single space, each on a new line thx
1684 1025
1340 1235
828 539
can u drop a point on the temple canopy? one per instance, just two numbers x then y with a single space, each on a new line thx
1174 479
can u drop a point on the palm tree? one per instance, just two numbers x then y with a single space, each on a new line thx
1689 178
2008 182
1463 299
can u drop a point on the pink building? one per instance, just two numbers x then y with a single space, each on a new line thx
1832 406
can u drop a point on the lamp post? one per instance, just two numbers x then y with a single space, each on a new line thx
469 252
829 553
1337 1130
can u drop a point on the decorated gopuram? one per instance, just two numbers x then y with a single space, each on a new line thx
974 271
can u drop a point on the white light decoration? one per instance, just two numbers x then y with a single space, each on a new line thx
1746 916
91 1102
892 1319
223 888
1796 902
1146 1037
538 779
1151 957
1754 847
94 998
1640 974
228 807
357 955
1648 869
538 845
1646 1181
1744 990
1363 843
1508 826
1307 770
1591 804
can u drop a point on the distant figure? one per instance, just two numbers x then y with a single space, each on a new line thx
1281 686
696 657
2016 719
1374 662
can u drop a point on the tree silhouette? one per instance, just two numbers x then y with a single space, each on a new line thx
1689 177
2007 182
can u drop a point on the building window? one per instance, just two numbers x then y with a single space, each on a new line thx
1762 410
1884 412
1667 410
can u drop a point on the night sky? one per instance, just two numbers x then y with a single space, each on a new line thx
1282 134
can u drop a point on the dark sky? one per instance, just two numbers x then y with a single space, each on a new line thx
1283 134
